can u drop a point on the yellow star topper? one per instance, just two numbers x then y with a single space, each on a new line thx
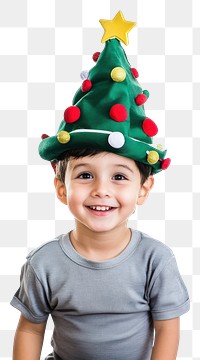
117 27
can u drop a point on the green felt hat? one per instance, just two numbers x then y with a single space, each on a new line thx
107 112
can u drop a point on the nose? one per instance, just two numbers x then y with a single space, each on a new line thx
101 189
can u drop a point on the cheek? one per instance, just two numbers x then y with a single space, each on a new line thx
73 203
129 200
75 196
129 196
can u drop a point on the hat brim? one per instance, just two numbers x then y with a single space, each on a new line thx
51 149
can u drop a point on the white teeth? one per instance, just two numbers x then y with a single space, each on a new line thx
100 208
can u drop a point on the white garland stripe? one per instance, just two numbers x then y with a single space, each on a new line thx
106 132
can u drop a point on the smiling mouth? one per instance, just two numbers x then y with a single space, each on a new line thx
101 208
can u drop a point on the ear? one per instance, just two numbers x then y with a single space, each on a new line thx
60 190
145 189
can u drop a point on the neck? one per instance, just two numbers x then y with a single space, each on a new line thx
99 246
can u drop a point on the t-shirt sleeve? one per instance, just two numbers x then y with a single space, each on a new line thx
168 296
31 298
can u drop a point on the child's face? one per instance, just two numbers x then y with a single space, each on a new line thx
102 191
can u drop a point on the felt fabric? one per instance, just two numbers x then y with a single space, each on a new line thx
107 114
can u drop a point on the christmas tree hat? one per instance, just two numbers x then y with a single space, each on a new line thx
107 112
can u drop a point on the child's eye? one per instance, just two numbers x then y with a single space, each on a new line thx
85 175
119 177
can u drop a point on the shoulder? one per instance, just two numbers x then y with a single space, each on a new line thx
46 254
158 261
152 246
153 253
44 247
44 266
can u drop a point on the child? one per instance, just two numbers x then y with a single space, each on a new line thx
108 288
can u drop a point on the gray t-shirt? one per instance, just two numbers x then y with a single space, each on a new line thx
102 310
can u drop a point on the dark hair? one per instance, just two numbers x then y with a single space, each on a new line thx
61 164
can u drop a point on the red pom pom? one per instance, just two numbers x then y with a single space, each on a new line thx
86 85
149 127
140 99
95 56
44 136
118 113
72 114
135 72
165 163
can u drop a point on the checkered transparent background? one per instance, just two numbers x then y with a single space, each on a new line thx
44 45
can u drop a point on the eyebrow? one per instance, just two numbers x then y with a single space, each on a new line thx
125 167
116 165
79 165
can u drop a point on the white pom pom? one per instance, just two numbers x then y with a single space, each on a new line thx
84 74
116 140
